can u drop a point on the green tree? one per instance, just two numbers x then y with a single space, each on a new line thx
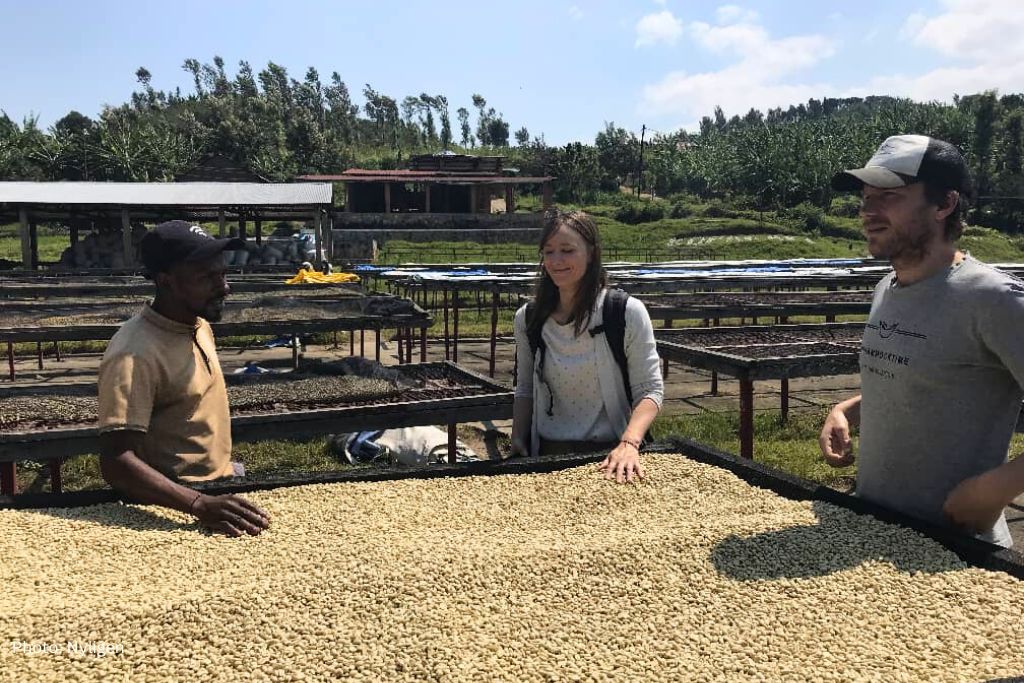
467 132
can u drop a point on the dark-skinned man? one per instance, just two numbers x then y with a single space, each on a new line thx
163 406
942 358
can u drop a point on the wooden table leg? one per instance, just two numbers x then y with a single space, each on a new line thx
56 481
746 417
455 328
452 448
784 399
447 341
8 478
423 345
664 361
494 331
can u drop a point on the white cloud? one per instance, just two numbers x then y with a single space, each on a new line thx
980 37
912 25
982 31
575 13
733 14
756 79
660 27
977 41
941 84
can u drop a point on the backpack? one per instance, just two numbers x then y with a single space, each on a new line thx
613 325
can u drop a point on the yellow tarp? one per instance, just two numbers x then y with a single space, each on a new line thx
305 277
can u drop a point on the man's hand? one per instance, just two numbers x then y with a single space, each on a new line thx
622 464
975 504
834 441
230 514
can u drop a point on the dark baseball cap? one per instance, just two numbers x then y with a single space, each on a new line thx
905 159
181 242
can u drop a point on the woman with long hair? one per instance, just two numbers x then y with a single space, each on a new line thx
571 395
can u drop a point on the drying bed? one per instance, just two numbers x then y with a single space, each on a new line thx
712 337
69 405
293 405
554 574
858 296
254 309
764 352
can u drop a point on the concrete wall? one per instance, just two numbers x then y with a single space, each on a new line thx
355 234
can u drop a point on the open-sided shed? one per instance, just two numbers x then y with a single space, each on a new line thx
83 204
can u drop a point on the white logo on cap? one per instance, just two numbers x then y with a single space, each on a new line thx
196 230
901 154
886 149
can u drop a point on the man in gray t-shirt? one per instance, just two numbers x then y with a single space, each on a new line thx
942 361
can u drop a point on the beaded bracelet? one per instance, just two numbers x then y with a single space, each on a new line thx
194 501
634 444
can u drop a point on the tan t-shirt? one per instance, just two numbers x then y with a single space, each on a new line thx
162 377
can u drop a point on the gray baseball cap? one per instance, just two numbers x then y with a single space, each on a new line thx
905 159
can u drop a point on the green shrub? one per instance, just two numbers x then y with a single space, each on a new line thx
744 202
680 210
613 198
846 206
685 197
806 216
640 212
735 227
978 231
715 208
833 228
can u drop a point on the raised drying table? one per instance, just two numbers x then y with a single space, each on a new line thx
299 312
56 422
764 352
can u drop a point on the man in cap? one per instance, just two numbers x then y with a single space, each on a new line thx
163 406
942 363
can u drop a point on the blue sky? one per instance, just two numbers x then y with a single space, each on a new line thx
559 67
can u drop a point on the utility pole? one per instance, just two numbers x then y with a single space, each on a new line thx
640 165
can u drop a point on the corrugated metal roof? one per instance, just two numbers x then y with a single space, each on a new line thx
166 194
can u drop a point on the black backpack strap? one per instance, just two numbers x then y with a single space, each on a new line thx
613 325
537 348
533 335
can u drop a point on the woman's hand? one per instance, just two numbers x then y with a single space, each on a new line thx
622 464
